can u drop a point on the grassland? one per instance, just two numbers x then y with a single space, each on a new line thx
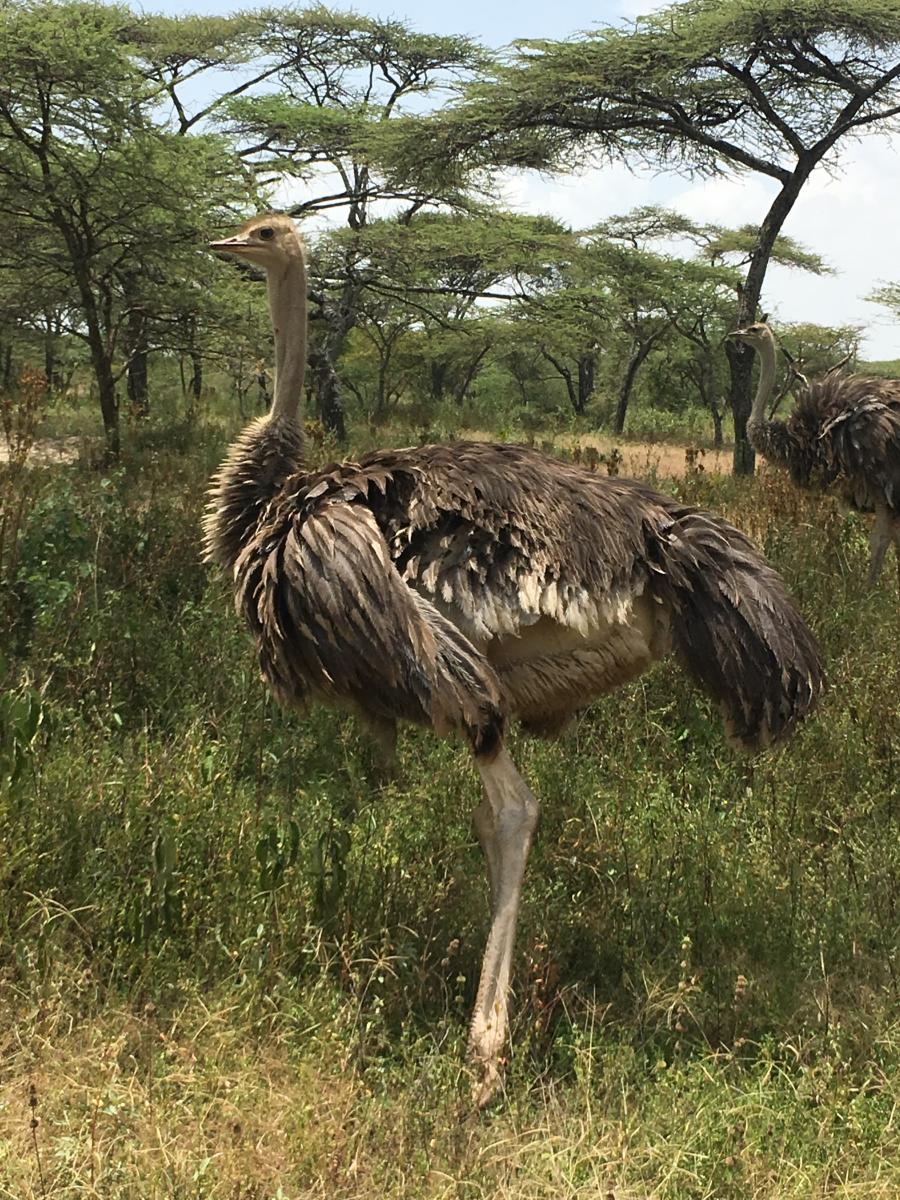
232 968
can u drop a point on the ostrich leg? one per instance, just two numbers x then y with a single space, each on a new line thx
879 540
383 735
505 821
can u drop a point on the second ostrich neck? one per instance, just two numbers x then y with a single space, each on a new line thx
765 387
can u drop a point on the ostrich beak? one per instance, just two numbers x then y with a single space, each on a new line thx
232 245
735 335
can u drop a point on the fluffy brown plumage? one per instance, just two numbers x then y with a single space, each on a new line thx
455 585
460 585
842 435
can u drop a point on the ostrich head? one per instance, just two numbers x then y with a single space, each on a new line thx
271 241
267 241
757 335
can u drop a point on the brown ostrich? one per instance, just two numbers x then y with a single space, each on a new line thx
459 586
843 435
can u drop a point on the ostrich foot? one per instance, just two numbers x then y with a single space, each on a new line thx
486 1038
487 1086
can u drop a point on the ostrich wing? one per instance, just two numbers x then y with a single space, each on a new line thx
333 620
863 444
499 536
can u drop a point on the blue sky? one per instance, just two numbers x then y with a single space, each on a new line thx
495 22
848 217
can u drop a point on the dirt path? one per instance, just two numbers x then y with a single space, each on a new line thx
47 450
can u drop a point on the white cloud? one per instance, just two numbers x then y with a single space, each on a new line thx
578 200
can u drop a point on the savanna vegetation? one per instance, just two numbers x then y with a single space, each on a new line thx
234 965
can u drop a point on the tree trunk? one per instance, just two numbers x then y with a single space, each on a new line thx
196 383
135 348
639 352
101 362
329 393
109 406
566 374
138 390
586 366
50 353
740 362
521 371
718 438
262 389
329 396
381 393
438 380
462 387
704 379
98 344
7 366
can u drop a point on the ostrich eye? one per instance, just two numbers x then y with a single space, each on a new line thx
267 233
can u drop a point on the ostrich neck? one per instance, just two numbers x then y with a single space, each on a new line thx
766 384
269 450
287 305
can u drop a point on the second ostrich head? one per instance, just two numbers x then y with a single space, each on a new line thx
761 338
755 335
271 241
794 444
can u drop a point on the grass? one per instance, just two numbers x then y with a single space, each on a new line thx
219 1100
230 967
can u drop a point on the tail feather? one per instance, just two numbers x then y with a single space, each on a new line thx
736 629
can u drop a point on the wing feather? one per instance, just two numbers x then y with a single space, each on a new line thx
333 619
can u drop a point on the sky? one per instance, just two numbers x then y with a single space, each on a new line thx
850 218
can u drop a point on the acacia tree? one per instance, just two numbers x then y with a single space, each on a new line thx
423 287
708 87
566 327
37 296
445 267
656 294
888 296
101 193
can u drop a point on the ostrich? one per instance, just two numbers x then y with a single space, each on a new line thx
844 433
458 586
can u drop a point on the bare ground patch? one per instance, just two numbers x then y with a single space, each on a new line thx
46 451
637 458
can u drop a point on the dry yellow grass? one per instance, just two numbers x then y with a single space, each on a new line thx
216 1105
639 459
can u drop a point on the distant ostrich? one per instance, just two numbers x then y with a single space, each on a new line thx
843 434
458 586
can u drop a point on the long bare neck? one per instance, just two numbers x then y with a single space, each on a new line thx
269 450
287 305
766 385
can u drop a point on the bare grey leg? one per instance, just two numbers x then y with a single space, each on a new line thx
383 733
879 540
483 820
505 821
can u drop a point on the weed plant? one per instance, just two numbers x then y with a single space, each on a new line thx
231 966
